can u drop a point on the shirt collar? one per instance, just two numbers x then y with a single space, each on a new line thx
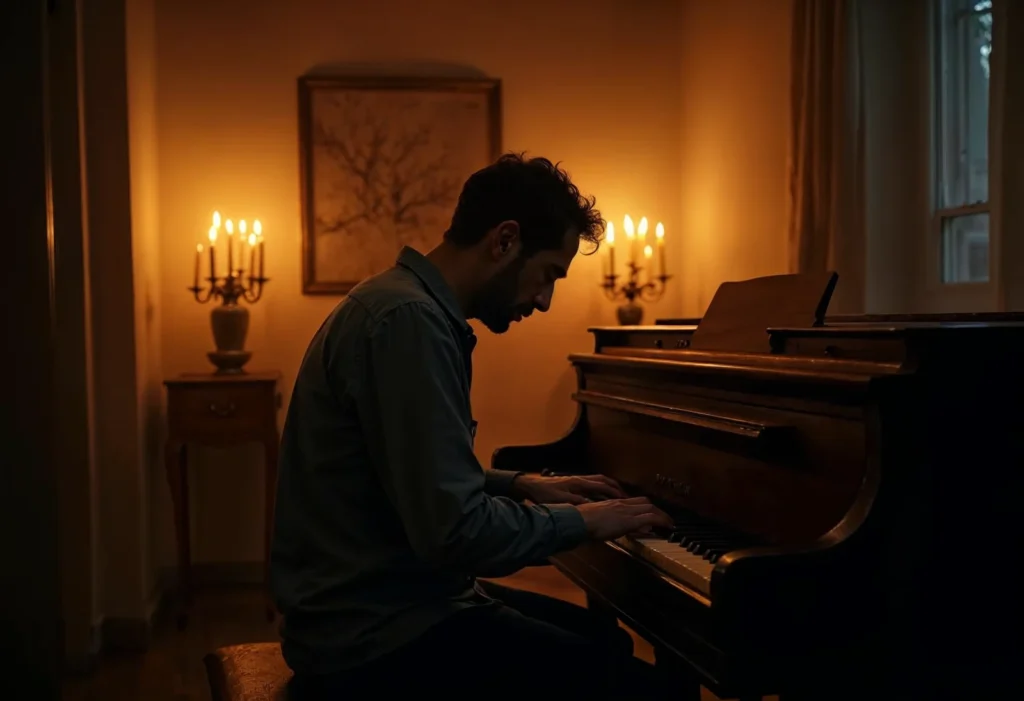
435 283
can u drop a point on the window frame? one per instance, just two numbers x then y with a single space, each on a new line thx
941 296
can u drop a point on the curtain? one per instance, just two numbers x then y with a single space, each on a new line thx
826 147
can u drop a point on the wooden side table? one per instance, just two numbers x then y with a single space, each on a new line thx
219 410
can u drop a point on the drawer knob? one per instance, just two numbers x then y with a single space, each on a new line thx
222 410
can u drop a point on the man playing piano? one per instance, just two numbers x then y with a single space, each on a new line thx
384 516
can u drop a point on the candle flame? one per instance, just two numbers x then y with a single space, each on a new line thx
642 229
648 252
252 239
199 248
659 232
257 228
229 226
627 224
213 235
241 227
610 234
216 220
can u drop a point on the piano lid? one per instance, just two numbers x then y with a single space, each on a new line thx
741 313
785 316
888 321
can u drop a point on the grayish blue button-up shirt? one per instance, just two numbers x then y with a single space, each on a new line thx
384 515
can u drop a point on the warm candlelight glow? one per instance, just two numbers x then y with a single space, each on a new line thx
639 283
242 281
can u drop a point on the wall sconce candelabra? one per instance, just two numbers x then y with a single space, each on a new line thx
637 286
230 320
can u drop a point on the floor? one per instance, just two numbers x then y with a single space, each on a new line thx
172 669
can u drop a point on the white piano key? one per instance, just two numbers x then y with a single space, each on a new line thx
673 559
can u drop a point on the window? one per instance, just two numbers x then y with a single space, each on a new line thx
963 43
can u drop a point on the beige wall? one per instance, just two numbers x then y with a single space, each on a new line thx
734 142
668 109
596 85
677 109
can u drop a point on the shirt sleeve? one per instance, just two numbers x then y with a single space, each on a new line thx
498 483
413 404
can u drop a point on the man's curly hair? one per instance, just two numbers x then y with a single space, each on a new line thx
534 192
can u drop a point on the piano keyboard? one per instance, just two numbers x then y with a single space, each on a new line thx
688 554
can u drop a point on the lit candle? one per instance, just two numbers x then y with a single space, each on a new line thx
257 229
641 231
627 225
213 262
611 247
199 255
230 228
216 220
241 242
659 235
252 256
647 262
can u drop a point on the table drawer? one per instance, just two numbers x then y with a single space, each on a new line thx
221 409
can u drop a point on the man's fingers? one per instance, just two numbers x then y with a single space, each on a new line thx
576 499
653 519
607 480
600 489
636 500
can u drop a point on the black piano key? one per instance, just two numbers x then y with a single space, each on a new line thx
703 547
692 543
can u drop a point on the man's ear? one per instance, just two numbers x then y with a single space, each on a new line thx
506 238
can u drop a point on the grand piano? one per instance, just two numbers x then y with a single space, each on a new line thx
848 495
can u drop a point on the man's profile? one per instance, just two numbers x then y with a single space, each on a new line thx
385 518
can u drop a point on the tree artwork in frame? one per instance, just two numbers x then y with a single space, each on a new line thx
383 161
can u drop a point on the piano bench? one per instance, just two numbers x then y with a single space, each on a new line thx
248 672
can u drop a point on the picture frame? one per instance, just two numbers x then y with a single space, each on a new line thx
382 162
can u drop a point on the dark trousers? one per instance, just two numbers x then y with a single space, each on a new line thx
525 644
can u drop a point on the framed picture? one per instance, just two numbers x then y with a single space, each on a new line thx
383 161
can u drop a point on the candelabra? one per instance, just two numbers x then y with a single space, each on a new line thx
230 320
630 313
632 289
